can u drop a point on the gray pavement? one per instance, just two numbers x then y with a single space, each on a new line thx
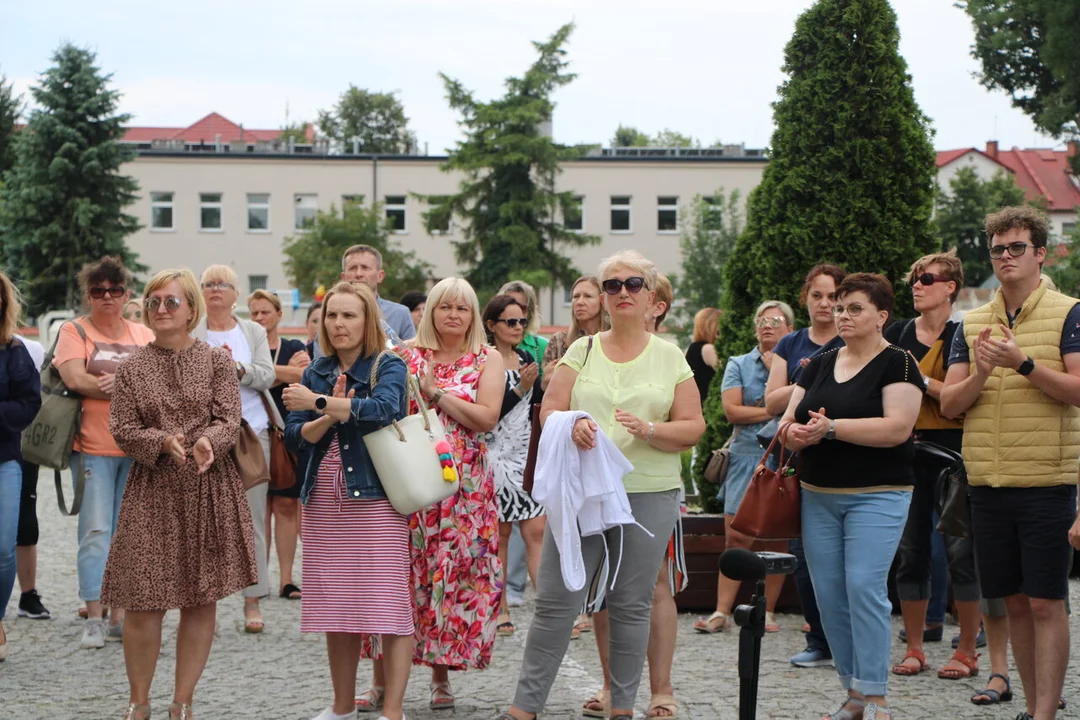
282 674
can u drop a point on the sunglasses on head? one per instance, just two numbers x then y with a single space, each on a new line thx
1015 249
171 303
632 284
114 292
927 279
513 322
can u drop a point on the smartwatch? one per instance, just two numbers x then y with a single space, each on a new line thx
320 403
1026 367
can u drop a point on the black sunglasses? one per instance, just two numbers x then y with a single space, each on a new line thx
114 292
172 303
1015 249
927 279
614 287
513 322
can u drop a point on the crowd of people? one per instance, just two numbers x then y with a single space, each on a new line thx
172 383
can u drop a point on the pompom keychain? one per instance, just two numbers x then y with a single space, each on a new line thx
446 459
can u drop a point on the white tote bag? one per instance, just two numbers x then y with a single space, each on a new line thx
404 455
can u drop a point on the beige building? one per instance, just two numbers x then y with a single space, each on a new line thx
234 202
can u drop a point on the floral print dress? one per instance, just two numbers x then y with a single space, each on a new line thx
456 572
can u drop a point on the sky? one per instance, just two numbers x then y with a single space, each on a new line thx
707 68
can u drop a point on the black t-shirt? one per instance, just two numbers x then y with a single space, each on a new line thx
903 335
286 349
838 464
703 372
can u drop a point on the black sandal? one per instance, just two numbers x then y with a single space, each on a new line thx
289 590
993 696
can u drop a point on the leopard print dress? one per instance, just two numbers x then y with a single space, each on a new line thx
182 539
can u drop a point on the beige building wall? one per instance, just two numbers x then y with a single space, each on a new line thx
255 254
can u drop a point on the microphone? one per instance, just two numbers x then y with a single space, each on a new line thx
740 564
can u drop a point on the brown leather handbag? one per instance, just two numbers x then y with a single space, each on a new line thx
249 458
771 508
282 462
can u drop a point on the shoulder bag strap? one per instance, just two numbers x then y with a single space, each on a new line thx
78 476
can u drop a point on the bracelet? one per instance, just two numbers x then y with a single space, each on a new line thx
437 396
652 432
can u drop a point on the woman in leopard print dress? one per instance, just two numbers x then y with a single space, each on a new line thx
184 537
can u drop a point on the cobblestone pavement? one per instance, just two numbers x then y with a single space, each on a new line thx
281 674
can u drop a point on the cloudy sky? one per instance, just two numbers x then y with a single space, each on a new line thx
709 68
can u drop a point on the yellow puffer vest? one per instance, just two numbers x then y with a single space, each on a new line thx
1015 435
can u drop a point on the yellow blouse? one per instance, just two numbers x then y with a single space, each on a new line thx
643 387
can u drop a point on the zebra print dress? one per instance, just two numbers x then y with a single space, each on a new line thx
508 448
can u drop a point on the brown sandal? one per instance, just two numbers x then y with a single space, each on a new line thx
971 662
601 698
902 669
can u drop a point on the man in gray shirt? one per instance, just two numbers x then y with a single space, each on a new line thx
363 264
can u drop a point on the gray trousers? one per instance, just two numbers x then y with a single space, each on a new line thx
629 604
256 498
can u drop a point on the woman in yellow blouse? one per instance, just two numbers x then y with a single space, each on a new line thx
640 392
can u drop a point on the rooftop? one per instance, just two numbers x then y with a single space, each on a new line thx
1041 172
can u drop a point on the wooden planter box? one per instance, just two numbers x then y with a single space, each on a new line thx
703 538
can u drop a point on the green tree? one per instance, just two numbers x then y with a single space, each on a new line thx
377 119
11 106
511 210
670 139
850 177
960 214
626 136
711 227
1065 269
313 258
297 132
1029 49
64 200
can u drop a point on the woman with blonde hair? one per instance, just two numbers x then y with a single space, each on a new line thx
701 354
246 342
356 545
184 538
525 296
587 317
457 577
20 399
639 391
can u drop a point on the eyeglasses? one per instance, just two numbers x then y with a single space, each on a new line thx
171 303
853 310
1015 249
927 279
633 285
764 322
513 322
218 286
114 292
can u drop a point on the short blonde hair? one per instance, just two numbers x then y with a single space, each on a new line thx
12 309
951 265
633 261
532 306
221 273
374 340
706 325
266 295
780 305
665 293
188 286
449 290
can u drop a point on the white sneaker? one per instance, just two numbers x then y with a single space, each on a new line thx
115 633
93 635
514 600
329 714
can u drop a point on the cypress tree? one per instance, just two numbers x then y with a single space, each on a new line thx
64 200
850 178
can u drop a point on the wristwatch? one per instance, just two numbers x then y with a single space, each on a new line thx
240 370
320 403
830 434
1026 367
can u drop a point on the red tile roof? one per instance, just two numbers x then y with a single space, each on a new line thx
1040 172
205 130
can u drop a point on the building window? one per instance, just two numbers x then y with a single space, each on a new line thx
395 213
667 214
567 296
575 215
161 211
443 228
258 206
620 214
351 201
1067 230
304 214
256 282
210 212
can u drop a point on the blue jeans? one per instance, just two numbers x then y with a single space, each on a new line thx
804 586
850 541
10 498
106 478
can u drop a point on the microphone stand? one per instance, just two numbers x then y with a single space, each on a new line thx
753 630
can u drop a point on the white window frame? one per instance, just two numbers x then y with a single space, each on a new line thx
300 201
1067 229
628 207
579 201
252 205
157 204
253 286
352 199
567 295
403 207
219 204
667 207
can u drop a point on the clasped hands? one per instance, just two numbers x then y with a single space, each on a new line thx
810 433
202 451
992 353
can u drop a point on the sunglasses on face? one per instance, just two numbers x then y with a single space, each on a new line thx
854 310
114 292
1015 249
927 279
774 322
513 322
218 286
633 285
171 303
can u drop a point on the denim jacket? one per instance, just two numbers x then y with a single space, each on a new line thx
369 413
